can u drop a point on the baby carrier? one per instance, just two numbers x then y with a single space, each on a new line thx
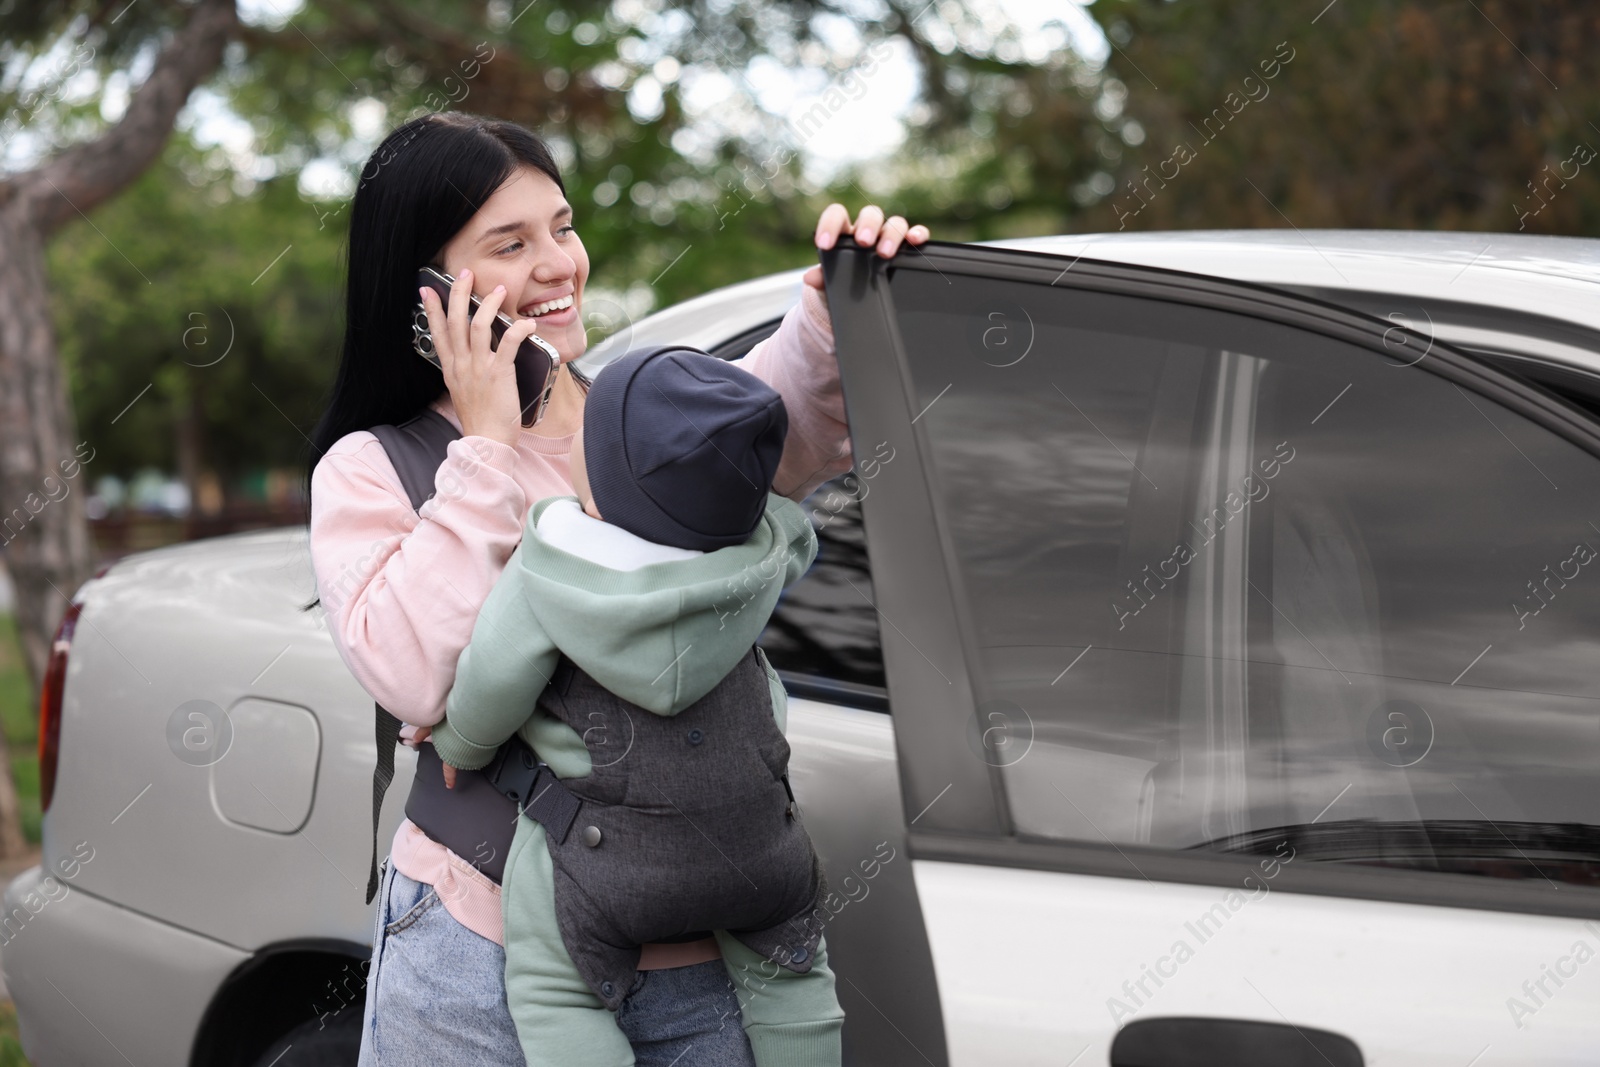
684 822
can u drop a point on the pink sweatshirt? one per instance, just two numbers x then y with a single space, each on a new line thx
402 589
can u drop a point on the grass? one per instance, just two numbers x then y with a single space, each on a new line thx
10 1047
19 720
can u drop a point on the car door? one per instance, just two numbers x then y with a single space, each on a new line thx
1245 669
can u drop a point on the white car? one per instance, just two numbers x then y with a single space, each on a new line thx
1223 685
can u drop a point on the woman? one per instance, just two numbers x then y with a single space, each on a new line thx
483 201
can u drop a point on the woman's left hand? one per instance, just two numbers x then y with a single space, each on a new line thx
868 227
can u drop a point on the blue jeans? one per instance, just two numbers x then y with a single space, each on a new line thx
436 994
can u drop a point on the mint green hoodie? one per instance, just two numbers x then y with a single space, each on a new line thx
661 636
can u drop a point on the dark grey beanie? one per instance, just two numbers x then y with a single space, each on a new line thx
681 447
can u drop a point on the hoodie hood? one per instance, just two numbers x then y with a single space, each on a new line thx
663 635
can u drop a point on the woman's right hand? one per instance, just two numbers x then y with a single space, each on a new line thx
481 379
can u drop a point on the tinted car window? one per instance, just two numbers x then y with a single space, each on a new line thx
1232 585
825 626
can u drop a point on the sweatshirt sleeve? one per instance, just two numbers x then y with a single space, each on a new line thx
798 360
499 678
801 550
401 589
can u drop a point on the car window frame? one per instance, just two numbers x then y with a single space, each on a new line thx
974 825
739 346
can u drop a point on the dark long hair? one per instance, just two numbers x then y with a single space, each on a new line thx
421 185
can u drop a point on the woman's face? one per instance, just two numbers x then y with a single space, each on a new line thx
522 237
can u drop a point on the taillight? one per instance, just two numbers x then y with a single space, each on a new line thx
55 681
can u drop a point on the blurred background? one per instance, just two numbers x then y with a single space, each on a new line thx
175 178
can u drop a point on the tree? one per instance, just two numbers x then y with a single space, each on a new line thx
232 342
1376 113
48 556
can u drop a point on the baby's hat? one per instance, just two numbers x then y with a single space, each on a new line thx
680 447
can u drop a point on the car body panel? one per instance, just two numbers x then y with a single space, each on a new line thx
1555 277
95 983
1378 973
217 622
1449 286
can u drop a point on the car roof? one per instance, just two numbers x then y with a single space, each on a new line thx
1549 285
1556 277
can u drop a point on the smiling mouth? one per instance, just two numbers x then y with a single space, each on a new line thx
546 307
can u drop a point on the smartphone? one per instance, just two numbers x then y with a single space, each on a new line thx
536 363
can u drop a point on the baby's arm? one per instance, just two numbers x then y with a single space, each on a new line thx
499 676
800 551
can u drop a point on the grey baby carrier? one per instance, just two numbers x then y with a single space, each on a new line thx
684 823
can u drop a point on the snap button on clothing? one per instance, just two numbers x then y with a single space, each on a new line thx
591 837
696 736
799 955
606 988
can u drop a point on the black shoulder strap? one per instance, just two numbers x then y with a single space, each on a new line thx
416 447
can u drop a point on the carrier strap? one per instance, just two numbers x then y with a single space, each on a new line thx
478 818
388 735
417 449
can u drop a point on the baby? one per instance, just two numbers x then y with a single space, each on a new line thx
619 644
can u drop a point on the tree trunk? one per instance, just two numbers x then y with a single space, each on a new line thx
43 528
46 539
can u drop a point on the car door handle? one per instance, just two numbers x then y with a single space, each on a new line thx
1193 1042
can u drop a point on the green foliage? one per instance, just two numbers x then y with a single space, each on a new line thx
1391 114
11 1054
19 718
151 292
180 299
25 776
59 41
